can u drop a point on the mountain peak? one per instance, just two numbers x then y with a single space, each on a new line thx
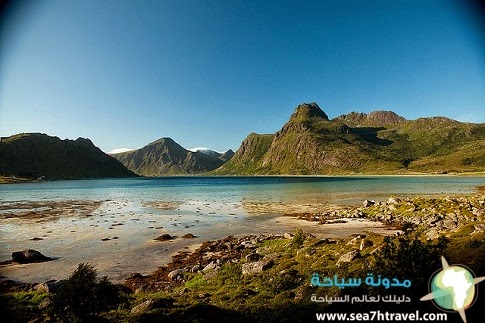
375 118
308 111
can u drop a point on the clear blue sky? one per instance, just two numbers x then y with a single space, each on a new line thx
208 73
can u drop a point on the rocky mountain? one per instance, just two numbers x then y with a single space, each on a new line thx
166 157
378 142
34 155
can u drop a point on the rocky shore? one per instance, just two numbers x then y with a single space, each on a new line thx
261 276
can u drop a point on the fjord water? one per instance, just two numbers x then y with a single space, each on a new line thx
118 236
340 190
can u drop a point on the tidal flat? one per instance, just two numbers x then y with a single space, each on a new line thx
118 237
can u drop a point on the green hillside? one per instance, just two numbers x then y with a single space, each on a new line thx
380 142
33 155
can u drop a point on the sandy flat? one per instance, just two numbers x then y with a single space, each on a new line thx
117 237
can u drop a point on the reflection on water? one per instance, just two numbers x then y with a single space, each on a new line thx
112 222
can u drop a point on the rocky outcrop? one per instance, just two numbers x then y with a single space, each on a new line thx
29 256
348 257
256 267
151 304
375 118
207 259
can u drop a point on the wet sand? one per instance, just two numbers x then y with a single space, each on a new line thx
117 237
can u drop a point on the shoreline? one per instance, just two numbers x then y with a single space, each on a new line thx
117 235
5 179
119 240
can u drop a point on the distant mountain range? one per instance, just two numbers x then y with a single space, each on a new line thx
380 142
166 157
34 155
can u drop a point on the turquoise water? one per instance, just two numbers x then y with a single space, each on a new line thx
137 210
338 190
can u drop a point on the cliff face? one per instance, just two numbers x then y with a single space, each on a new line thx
247 159
375 118
34 155
166 157
378 142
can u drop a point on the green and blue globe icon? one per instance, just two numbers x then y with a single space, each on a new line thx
456 282
453 288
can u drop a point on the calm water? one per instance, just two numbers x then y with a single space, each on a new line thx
339 190
208 207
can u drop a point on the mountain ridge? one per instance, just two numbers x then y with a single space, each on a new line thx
34 155
378 142
166 157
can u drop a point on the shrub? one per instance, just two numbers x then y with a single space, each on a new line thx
298 239
82 296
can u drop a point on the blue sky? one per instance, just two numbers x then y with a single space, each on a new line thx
208 73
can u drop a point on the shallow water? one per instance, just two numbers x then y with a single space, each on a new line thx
117 234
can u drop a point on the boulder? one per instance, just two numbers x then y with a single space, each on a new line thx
175 274
196 268
348 257
28 256
48 286
365 244
189 236
165 237
368 203
252 257
393 200
288 235
211 266
151 304
256 267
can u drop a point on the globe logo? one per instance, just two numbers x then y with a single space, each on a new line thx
453 288
457 283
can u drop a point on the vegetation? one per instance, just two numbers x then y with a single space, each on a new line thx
37 155
228 293
379 143
82 296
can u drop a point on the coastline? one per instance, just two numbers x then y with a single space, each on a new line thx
239 273
16 180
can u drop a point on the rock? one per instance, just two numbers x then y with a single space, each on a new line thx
151 304
368 203
252 257
393 200
48 286
348 257
165 237
478 228
354 241
450 224
248 245
365 244
211 266
256 267
189 236
432 234
28 256
288 235
175 274
45 303
196 268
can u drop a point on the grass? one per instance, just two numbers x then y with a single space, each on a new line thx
269 295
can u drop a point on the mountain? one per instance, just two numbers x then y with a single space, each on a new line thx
35 155
166 157
378 142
